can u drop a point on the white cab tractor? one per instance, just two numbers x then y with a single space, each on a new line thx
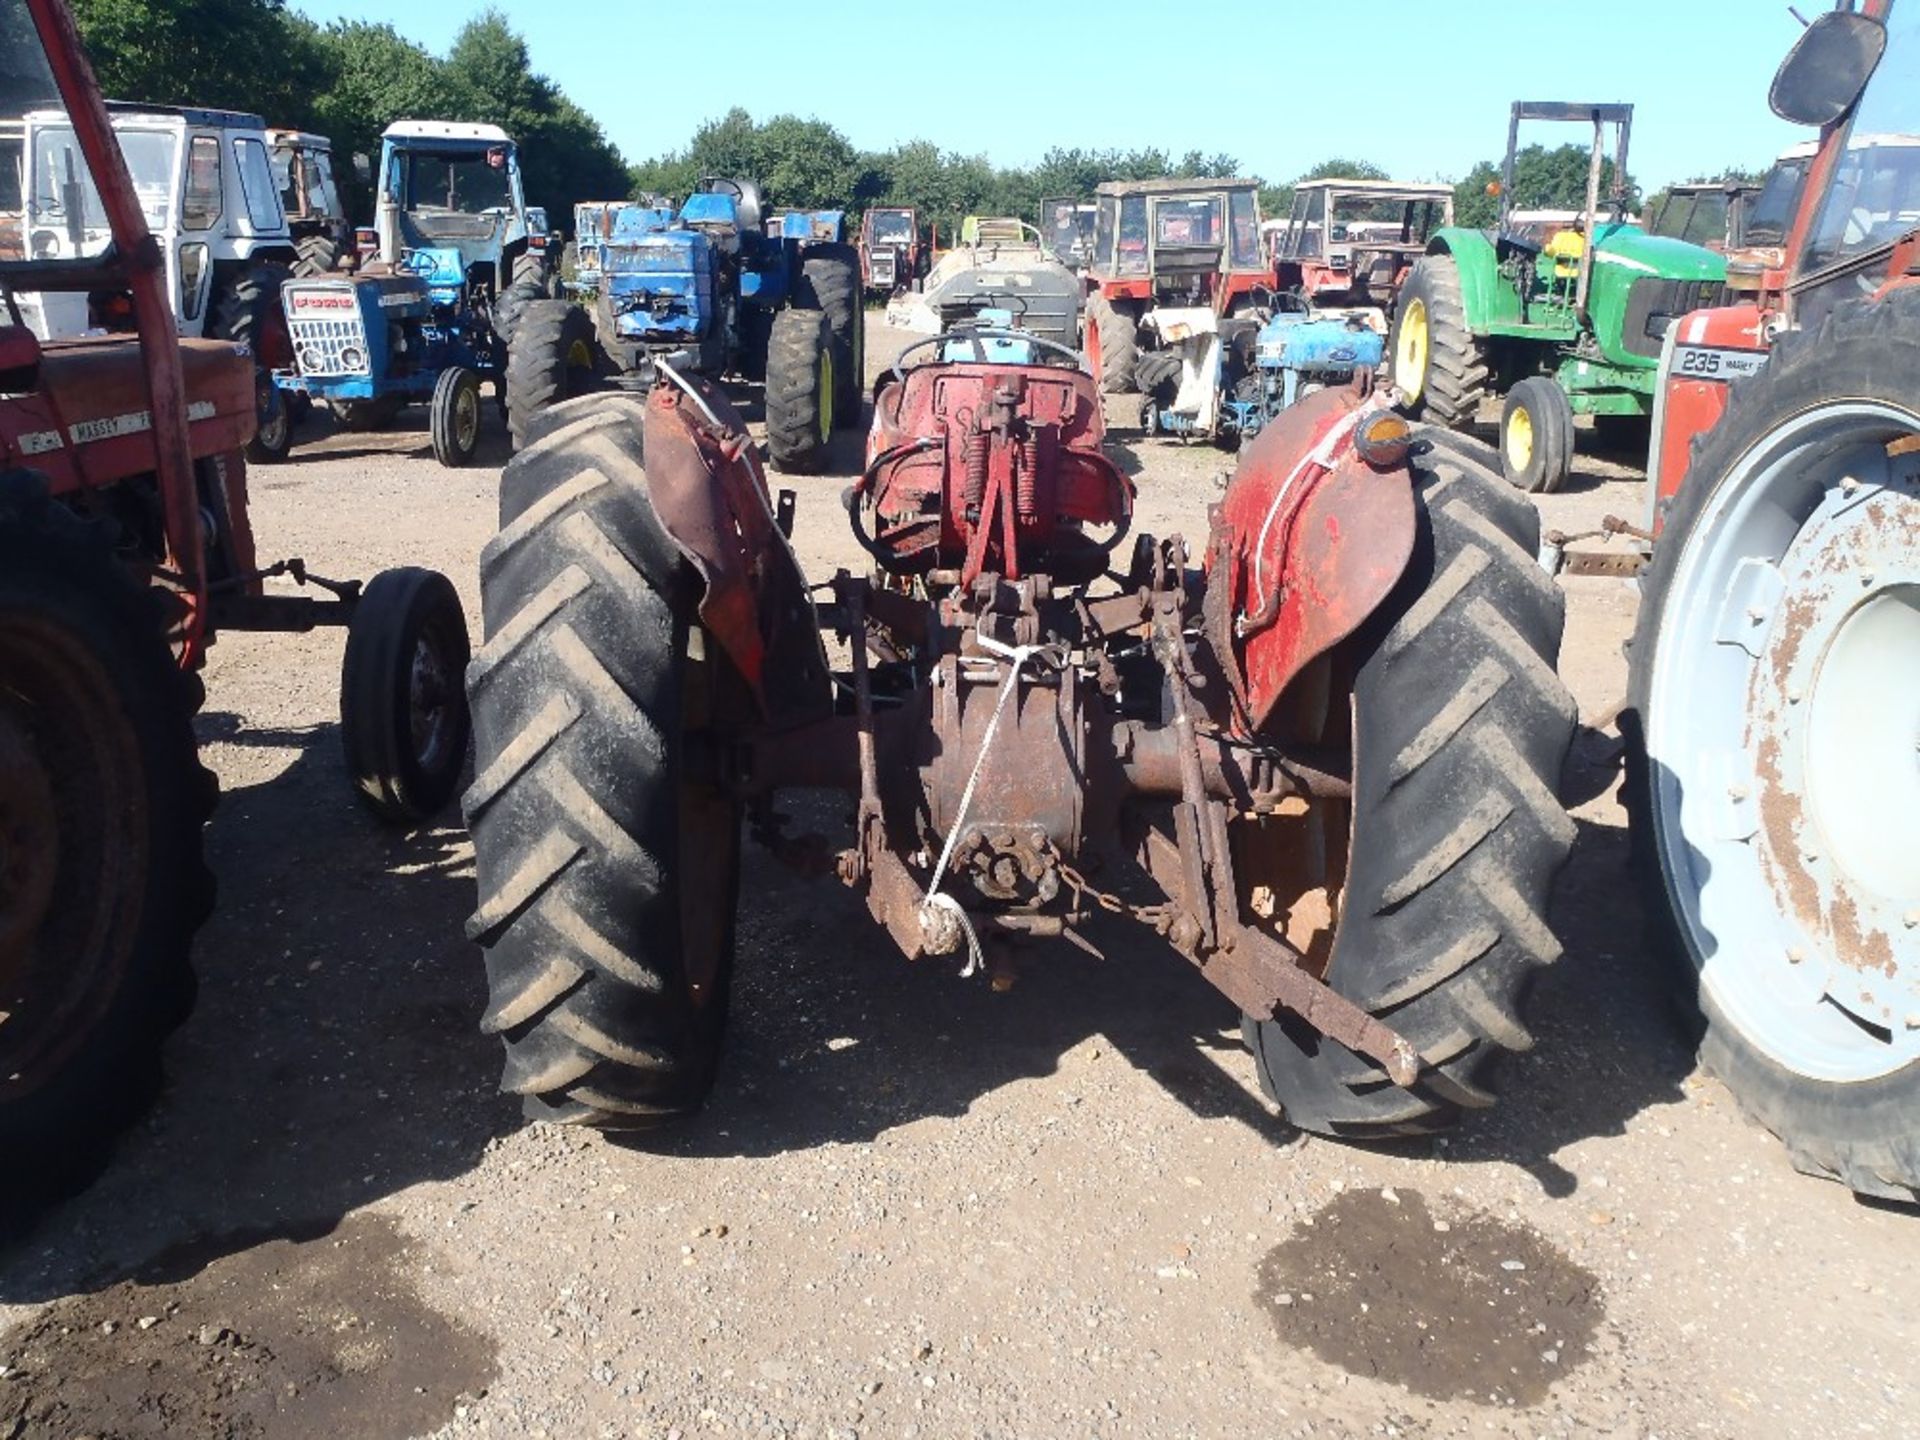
207 184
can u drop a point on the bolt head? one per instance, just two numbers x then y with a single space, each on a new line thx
1756 614
1736 792
1796 695
1911 919
1849 485
1866 577
1795 955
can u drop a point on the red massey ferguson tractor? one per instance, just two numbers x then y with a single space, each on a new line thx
125 548
1315 754
1775 694
1167 243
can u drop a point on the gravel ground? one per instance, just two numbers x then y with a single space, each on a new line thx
916 1207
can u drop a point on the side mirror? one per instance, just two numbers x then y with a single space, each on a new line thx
363 167
1827 68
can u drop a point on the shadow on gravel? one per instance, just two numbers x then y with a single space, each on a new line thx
333 1058
835 1040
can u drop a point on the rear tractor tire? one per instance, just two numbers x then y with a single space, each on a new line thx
454 417
103 802
1460 728
1772 794
316 255
1536 436
246 310
555 356
608 870
403 710
1438 366
800 391
830 283
1113 345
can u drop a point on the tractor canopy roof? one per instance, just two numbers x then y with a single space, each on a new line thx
188 114
445 130
1382 189
1172 187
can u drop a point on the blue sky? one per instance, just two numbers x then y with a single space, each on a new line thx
1418 86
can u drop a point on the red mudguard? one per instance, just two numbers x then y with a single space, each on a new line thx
1308 542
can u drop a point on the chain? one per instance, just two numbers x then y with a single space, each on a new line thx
1158 916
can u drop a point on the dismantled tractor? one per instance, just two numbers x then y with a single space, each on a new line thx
1775 695
1316 754
125 548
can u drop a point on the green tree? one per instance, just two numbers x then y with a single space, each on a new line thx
1277 200
1543 179
226 54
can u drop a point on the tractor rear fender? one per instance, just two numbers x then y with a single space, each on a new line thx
1488 298
710 495
1308 541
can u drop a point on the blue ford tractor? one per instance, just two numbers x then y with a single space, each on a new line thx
716 291
428 321
1225 380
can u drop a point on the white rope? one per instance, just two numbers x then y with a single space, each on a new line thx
937 911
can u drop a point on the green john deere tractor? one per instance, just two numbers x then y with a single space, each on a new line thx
1560 313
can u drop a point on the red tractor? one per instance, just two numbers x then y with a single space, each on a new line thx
893 253
1315 755
1175 243
125 548
1775 692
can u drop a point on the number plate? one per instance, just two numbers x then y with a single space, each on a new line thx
1703 362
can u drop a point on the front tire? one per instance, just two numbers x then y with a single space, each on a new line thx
1536 436
1456 832
403 712
454 417
1773 702
608 870
1438 365
800 391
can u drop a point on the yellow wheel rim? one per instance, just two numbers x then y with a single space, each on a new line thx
1410 351
826 395
1519 440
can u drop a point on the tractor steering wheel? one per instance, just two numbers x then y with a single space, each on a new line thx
976 334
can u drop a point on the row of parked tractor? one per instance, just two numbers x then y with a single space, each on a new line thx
1316 752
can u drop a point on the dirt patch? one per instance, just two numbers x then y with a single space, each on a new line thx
286 1339
1467 1308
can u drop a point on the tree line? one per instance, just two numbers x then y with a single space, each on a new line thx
350 79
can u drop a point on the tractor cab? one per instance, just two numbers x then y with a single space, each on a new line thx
1713 214
450 208
1069 228
1177 241
206 186
891 254
316 213
1349 243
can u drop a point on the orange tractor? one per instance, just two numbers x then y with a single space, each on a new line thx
125 547
1775 692
1177 245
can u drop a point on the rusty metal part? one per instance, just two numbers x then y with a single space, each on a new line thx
1262 976
705 484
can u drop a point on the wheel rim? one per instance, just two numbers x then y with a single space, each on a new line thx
73 849
1518 441
579 366
825 417
432 700
1410 351
1783 725
466 418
